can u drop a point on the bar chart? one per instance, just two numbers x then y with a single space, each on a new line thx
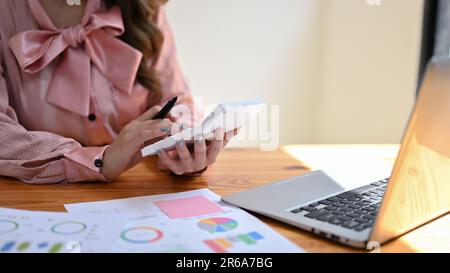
222 244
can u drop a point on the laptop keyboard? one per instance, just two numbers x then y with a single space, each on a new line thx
355 209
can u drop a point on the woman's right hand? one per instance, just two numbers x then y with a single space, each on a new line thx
124 151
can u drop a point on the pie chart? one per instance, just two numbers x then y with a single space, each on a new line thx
217 224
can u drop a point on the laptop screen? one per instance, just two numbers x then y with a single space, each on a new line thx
419 188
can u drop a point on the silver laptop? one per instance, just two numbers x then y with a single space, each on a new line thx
417 191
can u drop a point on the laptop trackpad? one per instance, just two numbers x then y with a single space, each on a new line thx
287 193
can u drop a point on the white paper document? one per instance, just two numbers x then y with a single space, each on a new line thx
194 221
24 231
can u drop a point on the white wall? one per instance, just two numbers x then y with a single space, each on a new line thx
369 70
340 70
236 49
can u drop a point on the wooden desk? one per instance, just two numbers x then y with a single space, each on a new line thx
235 170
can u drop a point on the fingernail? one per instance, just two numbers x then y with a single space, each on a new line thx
165 129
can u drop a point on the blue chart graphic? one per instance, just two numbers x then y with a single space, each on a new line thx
42 245
13 246
7 246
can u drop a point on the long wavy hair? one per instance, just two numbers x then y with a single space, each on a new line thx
142 33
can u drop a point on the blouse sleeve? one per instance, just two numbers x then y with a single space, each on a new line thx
173 82
41 157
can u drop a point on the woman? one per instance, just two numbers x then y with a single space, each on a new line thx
79 85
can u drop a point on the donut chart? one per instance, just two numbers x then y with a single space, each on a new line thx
8 226
141 235
69 228
217 224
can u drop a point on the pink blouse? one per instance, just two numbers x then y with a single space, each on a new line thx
66 93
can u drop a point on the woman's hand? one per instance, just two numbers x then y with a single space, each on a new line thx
192 160
124 151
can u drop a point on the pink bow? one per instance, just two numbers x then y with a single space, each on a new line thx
93 40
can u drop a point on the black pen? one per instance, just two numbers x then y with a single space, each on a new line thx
166 109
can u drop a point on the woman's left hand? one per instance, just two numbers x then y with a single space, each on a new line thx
185 161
